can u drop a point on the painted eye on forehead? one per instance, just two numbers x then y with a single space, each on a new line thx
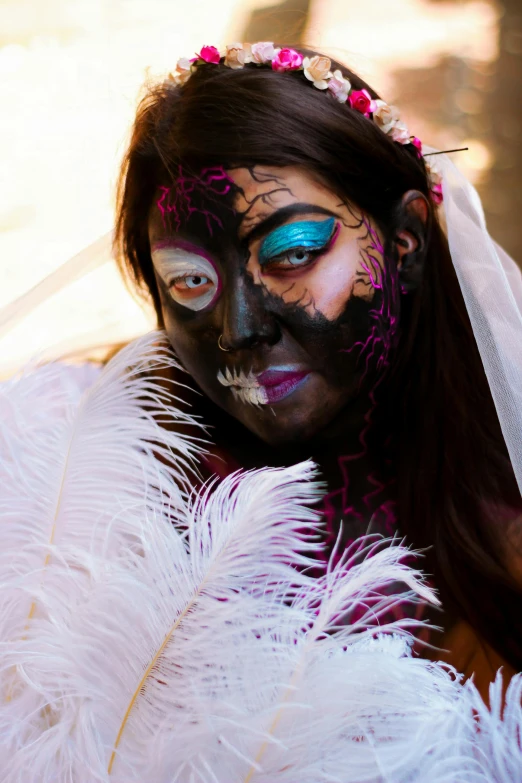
303 234
192 278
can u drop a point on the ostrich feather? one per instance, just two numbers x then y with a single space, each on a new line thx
290 700
83 447
145 618
80 460
494 744
177 637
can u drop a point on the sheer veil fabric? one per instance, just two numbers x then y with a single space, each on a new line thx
491 285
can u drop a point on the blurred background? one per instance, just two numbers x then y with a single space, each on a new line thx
70 78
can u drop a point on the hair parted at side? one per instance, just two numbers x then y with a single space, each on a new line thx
453 476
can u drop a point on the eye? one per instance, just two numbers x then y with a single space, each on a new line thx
296 258
192 290
192 279
193 282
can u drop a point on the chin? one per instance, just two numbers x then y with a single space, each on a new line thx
296 424
281 436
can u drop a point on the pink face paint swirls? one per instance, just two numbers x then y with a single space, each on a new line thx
377 350
383 334
188 194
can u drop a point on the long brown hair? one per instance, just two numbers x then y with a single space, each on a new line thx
453 476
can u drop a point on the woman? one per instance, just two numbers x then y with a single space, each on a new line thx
284 223
294 255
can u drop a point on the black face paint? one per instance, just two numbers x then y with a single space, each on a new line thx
290 370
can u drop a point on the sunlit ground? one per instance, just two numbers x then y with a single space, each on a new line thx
70 73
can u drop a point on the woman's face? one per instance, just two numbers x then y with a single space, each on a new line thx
268 284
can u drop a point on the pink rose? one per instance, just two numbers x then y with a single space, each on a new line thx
361 100
436 194
287 60
209 54
263 52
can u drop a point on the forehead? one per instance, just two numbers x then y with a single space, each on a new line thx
263 190
230 204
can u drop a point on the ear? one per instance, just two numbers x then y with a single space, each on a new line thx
411 239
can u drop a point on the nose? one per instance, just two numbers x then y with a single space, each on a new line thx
246 321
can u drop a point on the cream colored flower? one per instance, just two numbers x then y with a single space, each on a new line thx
339 86
400 133
317 70
237 55
385 116
182 72
434 172
263 52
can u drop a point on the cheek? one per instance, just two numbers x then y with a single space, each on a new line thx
194 346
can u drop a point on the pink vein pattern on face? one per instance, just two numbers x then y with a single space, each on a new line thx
377 347
177 201
384 330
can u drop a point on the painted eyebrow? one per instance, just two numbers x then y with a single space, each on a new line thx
280 216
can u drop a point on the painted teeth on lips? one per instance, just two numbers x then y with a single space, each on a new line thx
267 387
245 387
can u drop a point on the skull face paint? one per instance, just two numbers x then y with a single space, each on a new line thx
188 272
284 273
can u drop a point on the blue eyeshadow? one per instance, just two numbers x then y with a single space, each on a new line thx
309 234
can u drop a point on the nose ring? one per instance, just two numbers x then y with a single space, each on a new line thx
220 346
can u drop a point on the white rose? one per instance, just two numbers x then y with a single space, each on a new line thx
339 86
183 64
235 56
400 133
263 52
317 70
247 53
434 172
182 72
385 116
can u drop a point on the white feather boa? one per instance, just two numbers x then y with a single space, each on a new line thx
151 635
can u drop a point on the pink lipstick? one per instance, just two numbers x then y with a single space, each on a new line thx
280 383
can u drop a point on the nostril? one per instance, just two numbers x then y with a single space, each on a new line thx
236 339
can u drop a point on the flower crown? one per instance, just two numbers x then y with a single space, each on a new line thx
317 71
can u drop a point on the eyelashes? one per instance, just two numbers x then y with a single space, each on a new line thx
192 279
194 282
299 240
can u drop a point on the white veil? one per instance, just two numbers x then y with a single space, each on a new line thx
490 280
491 284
